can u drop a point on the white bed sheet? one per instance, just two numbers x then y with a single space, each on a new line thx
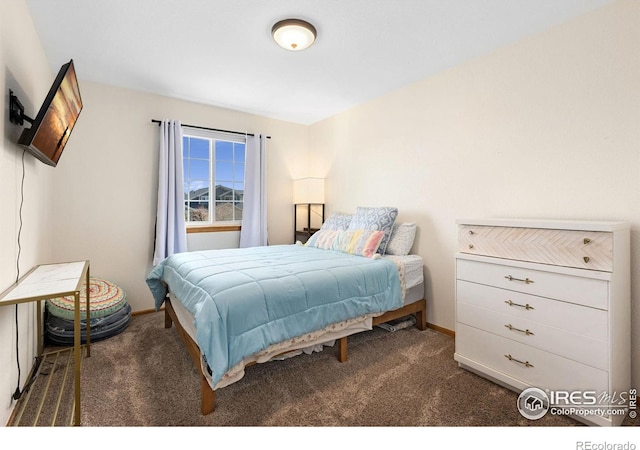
413 268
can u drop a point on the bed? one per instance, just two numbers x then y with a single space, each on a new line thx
237 307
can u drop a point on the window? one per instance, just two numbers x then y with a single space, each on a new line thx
213 177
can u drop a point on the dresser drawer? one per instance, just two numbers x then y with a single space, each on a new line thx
573 289
577 319
580 249
592 352
544 370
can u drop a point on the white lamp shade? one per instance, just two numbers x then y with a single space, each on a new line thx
308 191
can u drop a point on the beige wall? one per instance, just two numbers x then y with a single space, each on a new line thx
106 182
25 70
546 128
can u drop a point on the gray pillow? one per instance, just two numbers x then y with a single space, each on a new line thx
337 221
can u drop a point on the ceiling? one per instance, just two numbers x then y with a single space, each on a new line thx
220 52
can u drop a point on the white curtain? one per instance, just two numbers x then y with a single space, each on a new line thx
254 213
171 233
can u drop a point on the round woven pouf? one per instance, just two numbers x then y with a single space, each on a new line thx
105 299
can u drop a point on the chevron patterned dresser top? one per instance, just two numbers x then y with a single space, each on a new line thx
583 249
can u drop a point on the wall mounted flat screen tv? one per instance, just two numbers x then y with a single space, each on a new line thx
56 118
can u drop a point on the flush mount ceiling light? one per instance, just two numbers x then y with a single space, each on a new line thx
294 34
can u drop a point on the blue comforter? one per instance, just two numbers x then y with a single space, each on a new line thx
244 300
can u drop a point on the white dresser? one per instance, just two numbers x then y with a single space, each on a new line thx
546 304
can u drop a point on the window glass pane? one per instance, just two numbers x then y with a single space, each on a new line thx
224 171
224 151
185 147
224 192
226 184
239 190
198 211
238 173
199 190
213 194
199 168
224 211
199 148
238 152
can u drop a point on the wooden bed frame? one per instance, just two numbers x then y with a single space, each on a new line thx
208 395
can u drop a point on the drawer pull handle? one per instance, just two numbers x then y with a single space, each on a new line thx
527 306
512 328
471 232
586 259
586 241
526 280
524 363
470 246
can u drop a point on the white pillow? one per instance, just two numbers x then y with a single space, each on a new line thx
402 236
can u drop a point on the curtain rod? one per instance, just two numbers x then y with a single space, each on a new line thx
210 129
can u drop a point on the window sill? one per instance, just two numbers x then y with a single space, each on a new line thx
213 228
